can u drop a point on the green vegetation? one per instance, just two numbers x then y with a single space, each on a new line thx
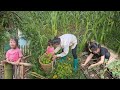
115 68
46 59
63 71
40 26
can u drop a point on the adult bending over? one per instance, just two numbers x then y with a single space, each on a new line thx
64 42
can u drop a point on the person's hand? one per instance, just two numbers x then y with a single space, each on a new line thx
17 62
83 65
91 66
3 62
13 63
54 57
45 54
8 61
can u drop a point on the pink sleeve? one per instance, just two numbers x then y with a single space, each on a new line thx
7 54
20 54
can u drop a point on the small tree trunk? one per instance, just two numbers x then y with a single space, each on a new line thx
8 71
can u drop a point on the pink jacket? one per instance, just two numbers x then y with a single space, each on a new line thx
14 54
50 50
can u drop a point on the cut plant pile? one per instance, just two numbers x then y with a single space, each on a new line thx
46 59
63 71
99 72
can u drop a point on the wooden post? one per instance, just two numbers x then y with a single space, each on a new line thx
8 71
22 72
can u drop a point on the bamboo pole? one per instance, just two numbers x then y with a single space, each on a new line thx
8 71
21 63
37 75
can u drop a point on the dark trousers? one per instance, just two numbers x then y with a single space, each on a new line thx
73 52
107 55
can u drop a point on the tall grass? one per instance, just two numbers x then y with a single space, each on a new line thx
54 22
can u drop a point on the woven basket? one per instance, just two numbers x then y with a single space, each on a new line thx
46 67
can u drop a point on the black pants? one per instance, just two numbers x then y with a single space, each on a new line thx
73 52
107 55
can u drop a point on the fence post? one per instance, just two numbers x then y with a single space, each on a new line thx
8 71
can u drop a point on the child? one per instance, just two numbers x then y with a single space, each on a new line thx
50 48
14 55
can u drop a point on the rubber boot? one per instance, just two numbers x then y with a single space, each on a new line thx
75 64
62 59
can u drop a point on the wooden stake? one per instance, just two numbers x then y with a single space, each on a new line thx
22 72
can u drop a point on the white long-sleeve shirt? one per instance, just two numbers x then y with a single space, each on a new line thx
67 40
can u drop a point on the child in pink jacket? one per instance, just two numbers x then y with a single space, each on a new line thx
50 48
14 54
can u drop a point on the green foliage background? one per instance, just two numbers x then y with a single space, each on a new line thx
40 26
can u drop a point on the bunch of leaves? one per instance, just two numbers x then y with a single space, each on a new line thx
46 58
101 73
9 20
63 71
115 68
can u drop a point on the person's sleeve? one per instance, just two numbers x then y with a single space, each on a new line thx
65 52
7 54
57 49
20 54
102 52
